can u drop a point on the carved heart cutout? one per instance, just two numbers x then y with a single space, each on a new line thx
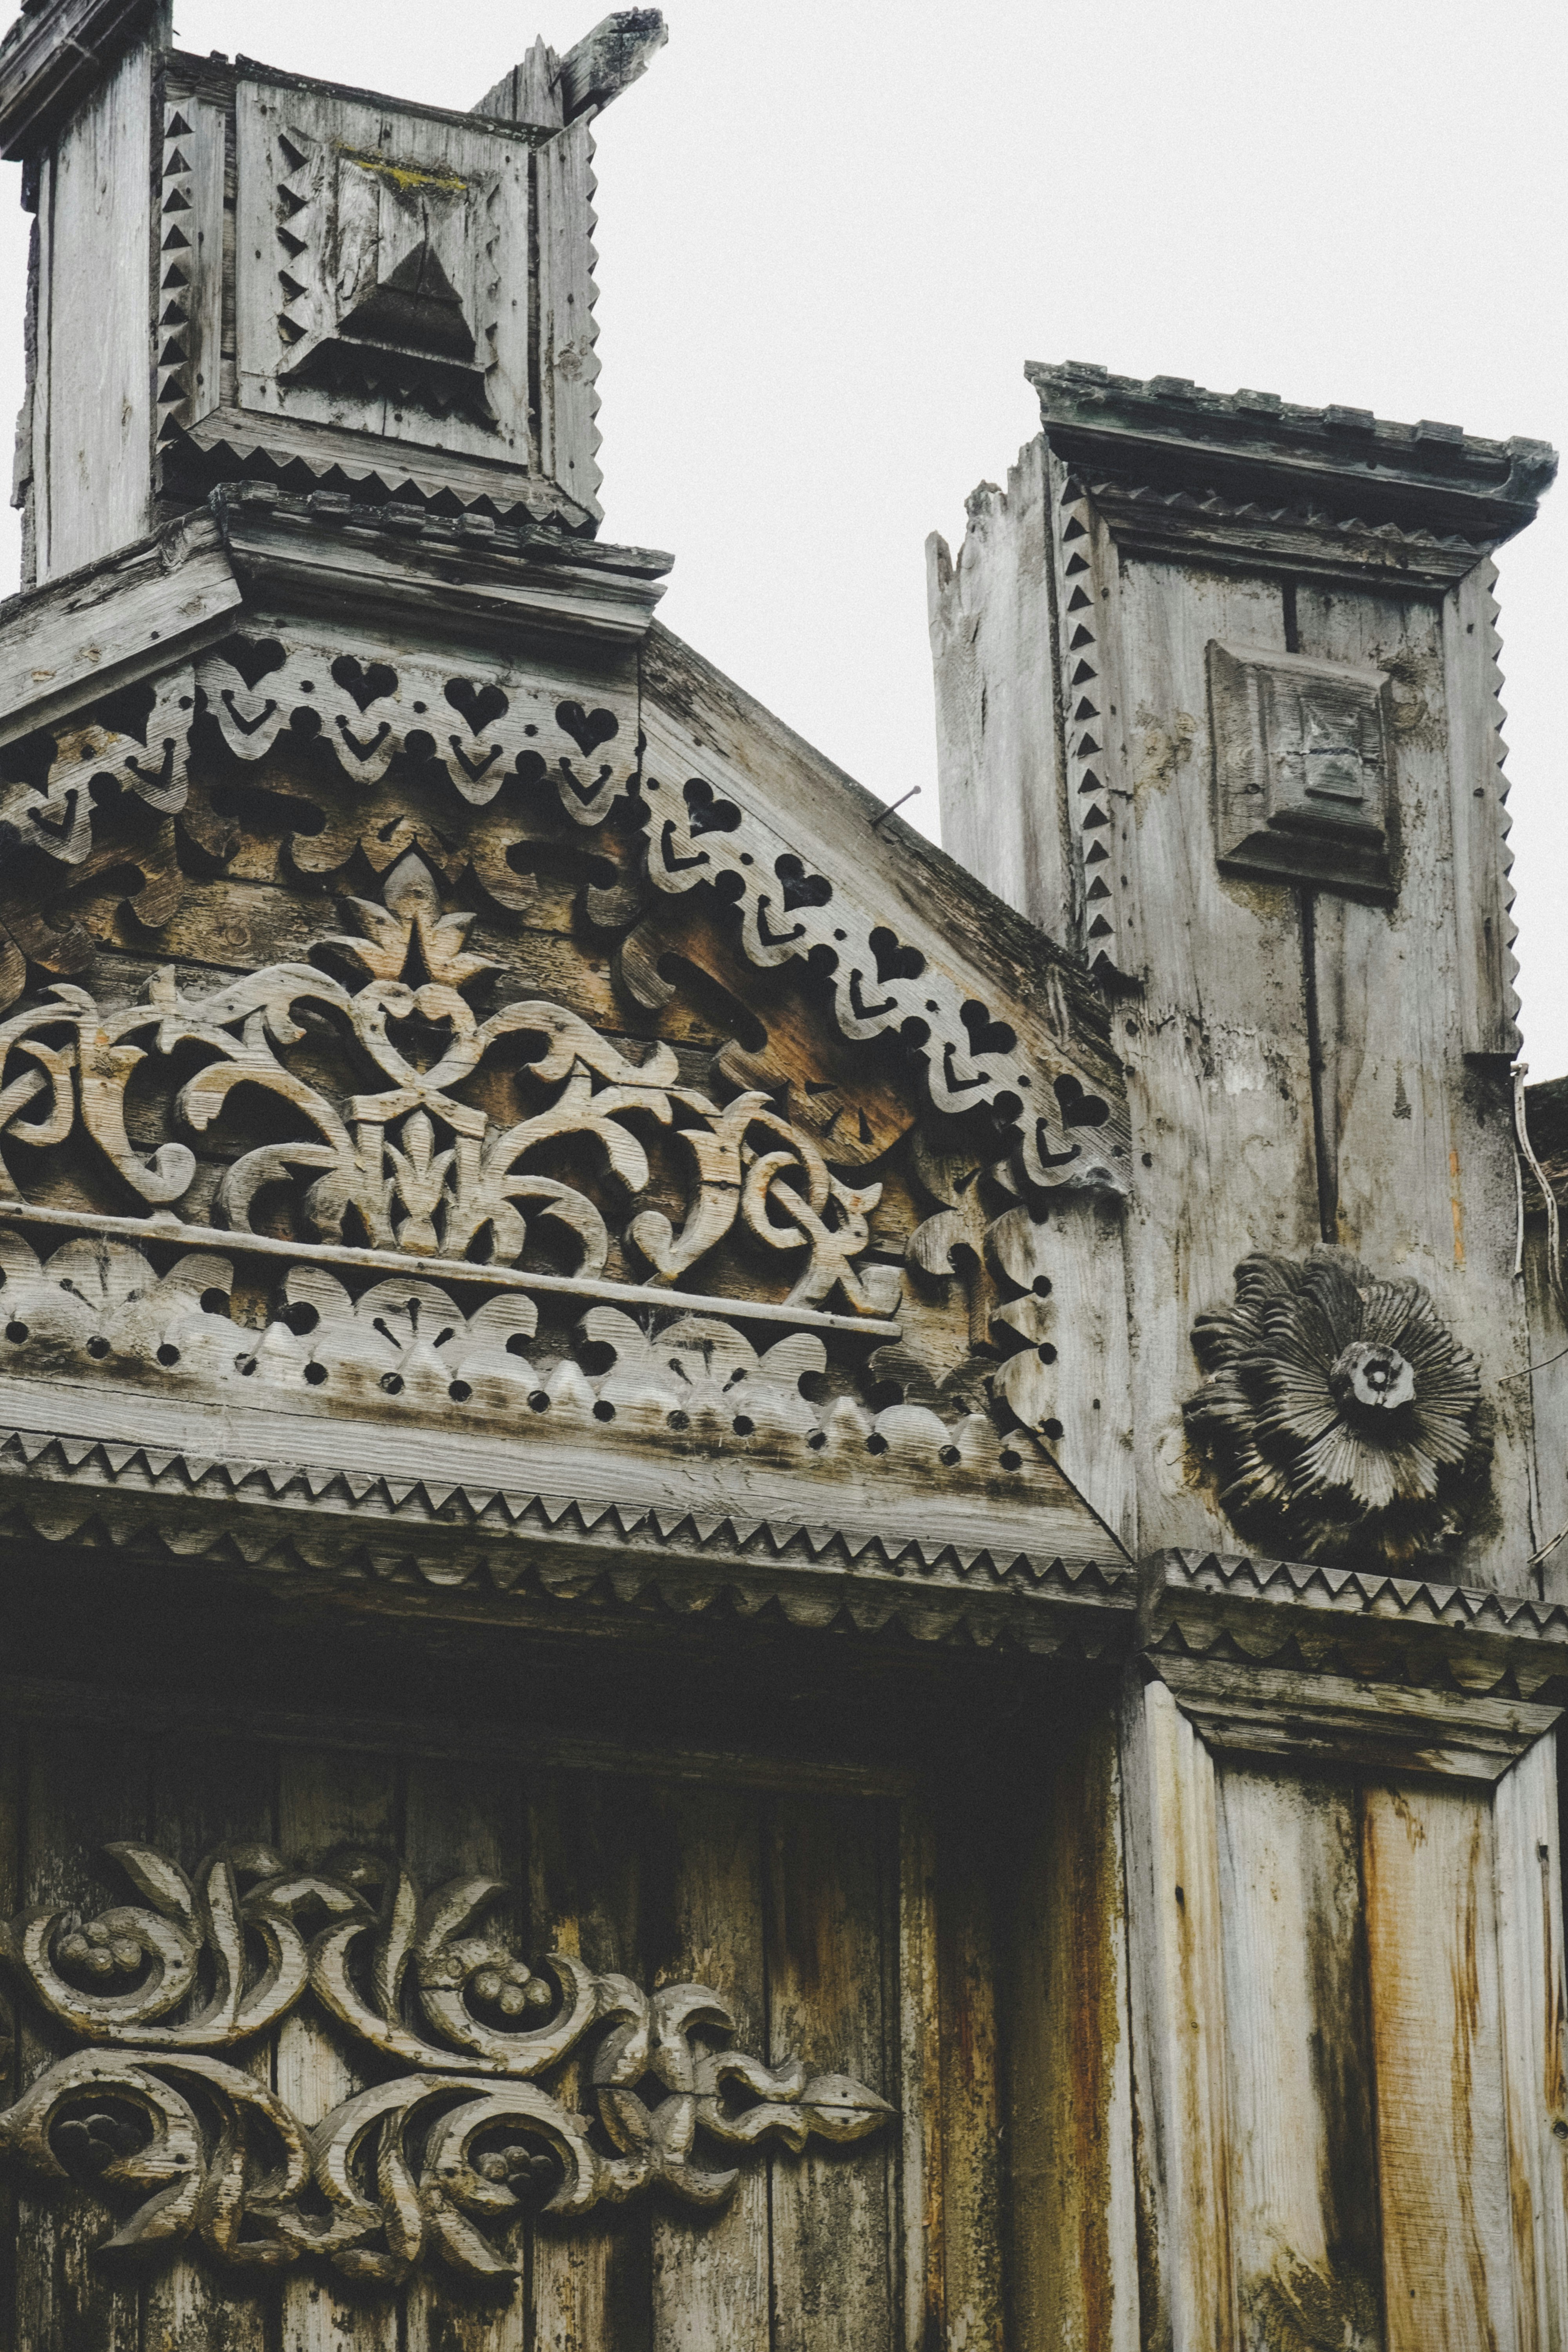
986 1036
480 705
800 888
254 657
708 812
367 685
1078 1108
587 729
894 960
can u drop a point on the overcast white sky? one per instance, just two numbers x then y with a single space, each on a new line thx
831 232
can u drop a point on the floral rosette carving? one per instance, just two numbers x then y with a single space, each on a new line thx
1340 1415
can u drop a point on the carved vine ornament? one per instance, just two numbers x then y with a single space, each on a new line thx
434 2163
420 1169
1340 1417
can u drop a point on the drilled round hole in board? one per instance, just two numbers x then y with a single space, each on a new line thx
1051 1429
97 1345
951 1456
168 1355
315 1374
459 1391
742 1424
679 1420
876 1442
1011 1460
539 1401
604 1410
392 1383
16 1333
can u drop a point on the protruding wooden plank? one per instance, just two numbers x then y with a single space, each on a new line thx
1530 1913
711 2269
1304 2165
833 2248
1442 2136
326 1800
617 52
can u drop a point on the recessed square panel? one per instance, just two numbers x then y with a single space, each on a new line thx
1303 778
382 279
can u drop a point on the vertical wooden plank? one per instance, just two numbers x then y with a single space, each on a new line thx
711 2269
568 364
1178 2027
83 1789
1443 2153
1072 2218
1304 2170
989 616
1217 1049
833 2252
98 426
328 1798
1471 649
971 2098
1529 1941
206 1794
458 1821
12 1799
1422 1143
920 2081
599 1886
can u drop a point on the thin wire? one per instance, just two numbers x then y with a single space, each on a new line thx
1553 1226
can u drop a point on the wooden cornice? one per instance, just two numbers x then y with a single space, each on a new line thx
53 52
1253 450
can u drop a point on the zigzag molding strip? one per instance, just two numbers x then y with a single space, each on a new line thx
1217 1604
524 1544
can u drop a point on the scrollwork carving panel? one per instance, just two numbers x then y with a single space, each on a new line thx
434 2162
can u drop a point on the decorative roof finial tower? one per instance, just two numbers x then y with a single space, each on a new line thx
289 282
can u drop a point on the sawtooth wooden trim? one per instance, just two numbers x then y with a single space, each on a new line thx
1398 1629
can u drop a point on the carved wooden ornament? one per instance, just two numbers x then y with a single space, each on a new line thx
1340 1417
432 2165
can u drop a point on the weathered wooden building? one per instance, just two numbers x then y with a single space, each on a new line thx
762 1591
